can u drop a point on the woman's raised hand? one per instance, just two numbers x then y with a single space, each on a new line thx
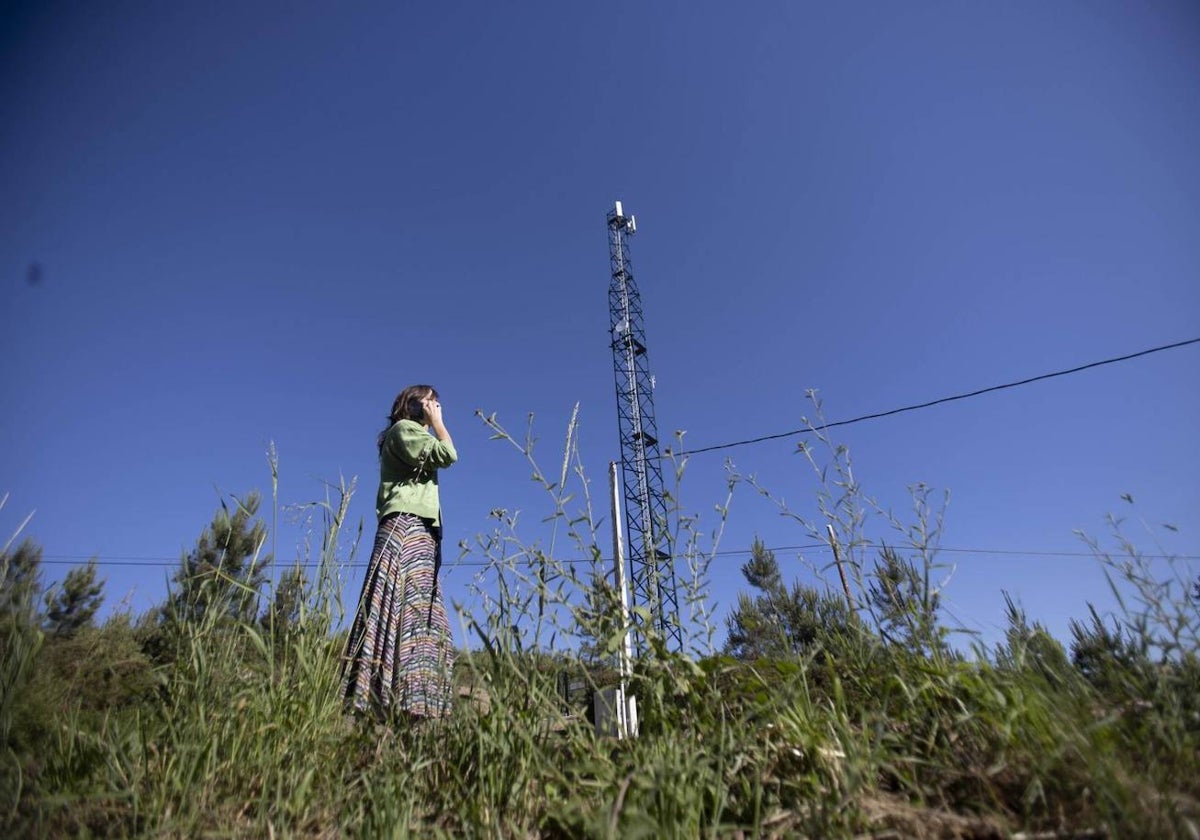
433 411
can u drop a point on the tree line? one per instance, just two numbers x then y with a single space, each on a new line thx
224 574
777 621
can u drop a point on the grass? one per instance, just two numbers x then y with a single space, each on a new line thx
238 730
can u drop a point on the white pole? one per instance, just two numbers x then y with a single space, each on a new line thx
626 707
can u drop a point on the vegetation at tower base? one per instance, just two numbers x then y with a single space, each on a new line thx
871 725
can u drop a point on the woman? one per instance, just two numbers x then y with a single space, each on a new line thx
400 653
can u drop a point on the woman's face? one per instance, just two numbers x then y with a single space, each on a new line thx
417 412
429 396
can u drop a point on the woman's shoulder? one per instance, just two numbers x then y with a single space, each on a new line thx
406 431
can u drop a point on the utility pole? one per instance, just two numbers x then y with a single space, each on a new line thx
620 701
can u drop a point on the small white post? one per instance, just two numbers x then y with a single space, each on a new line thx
626 706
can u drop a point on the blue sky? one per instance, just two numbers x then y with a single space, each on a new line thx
257 222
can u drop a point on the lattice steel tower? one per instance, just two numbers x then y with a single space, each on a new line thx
651 567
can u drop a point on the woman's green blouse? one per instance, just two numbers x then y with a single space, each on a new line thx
408 468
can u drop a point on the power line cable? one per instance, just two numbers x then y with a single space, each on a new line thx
159 560
162 562
931 403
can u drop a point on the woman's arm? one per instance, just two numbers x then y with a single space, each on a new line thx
411 443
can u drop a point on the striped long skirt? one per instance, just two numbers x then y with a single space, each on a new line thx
400 654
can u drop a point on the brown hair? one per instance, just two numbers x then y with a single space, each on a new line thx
407 406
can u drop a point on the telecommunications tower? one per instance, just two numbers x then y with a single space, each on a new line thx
651 567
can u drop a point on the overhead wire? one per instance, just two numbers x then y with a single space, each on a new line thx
163 562
1039 378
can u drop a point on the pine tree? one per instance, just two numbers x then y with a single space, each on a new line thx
1112 658
1030 646
283 615
20 637
906 605
756 627
21 581
222 577
74 605
781 622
